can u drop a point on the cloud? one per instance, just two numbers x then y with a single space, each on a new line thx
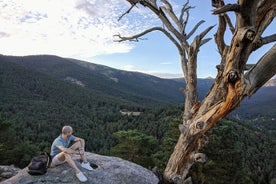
87 6
129 68
32 17
3 34
68 28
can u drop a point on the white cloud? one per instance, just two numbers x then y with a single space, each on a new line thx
3 34
68 28
129 68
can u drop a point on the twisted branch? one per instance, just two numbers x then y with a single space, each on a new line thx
126 12
137 37
185 9
194 29
228 21
227 8
261 72
269 39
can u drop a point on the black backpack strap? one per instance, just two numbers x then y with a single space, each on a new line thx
49 159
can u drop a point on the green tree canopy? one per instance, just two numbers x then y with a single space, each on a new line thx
135 146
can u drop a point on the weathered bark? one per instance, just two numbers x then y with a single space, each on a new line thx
227 95
231 85
261 72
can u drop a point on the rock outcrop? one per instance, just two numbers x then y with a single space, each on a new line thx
108 170
7 172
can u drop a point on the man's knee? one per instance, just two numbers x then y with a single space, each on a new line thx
77 145
67 156
58 159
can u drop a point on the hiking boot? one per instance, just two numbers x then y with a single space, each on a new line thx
86 166
81 177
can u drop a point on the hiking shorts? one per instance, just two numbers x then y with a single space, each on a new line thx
56 161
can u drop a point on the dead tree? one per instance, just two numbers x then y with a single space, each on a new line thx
233 82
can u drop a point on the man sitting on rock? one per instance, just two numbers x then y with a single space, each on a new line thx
61 152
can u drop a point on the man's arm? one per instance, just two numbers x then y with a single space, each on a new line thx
67 150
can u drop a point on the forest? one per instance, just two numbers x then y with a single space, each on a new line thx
237 153
34 107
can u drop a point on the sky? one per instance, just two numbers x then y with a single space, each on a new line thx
85 29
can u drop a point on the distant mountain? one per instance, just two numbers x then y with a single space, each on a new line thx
137 87
259 110
133 86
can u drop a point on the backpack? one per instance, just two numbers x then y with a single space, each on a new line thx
39 164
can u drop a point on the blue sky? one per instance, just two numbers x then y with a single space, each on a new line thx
84 29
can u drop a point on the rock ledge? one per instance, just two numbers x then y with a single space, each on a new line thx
110 170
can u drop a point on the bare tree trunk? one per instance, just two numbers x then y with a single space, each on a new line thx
227 96
230 88
231 85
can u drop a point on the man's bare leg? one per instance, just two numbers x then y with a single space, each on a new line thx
77 146
80 147
66 157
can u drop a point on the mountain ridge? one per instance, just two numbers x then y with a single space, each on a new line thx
131 86
112 81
